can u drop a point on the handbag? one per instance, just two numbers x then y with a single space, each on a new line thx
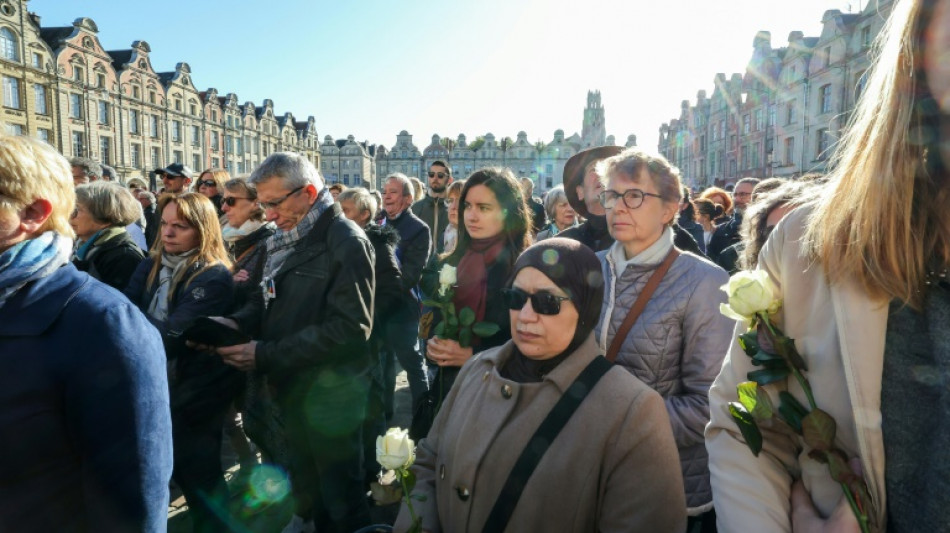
542 439
640 304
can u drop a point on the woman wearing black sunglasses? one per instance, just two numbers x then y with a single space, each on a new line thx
474 469
677 343
211 184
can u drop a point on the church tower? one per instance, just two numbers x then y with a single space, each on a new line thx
594 132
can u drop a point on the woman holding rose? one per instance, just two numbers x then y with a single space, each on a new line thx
862 273
611 467
494 230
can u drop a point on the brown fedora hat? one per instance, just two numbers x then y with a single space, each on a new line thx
574 172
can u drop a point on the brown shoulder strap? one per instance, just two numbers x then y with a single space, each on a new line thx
640 304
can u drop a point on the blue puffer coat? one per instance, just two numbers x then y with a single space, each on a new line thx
676 347
85 431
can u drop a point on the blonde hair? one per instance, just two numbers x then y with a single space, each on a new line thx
31 170
197 211
883 214
219 175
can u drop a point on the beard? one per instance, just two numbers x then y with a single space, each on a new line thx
438 190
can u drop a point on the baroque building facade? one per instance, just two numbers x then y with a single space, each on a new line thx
60 85
541 162
784 115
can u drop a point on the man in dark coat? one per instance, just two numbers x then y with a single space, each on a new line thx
727 234
432 209
582 187
539 218
311 324
401 328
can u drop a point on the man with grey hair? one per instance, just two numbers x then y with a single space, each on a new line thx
727 234
401 326
311 324
84 170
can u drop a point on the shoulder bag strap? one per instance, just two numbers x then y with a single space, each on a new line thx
640 304
541 441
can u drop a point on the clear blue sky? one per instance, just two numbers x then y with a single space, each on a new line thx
373 68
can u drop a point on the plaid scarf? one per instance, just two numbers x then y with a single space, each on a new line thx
281 243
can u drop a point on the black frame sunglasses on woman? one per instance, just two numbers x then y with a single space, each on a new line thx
543 302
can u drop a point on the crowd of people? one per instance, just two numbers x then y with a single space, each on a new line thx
568 363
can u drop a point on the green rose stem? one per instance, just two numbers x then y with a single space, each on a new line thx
775 334
802 380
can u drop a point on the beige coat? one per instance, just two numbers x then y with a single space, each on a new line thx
840 332
613 467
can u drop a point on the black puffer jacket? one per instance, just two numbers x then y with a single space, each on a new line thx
113 261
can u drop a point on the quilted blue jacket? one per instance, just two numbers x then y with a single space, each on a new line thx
676 347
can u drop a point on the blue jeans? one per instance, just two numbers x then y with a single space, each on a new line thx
400 342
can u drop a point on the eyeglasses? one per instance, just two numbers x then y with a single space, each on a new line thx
276 203
543 302
231 200
208 183
441 175
632 198
742 195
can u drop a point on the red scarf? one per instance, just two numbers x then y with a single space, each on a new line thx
472 274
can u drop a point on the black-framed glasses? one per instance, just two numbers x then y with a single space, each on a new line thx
231 200
276 203
632 198
208 183
441 175
543 302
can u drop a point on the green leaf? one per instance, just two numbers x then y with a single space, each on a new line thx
747 426
749 343
818 430
431 303
439 330
768 375
771 363
467 316
485 329
762 356
450 310
792 411
839 468
465 337
453 321
755 400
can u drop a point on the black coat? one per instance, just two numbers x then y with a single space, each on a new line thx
434 213
726 235
203 384
249 253
153 221
594 234
538 216
113 261
388 277
496 310
412 253
322 313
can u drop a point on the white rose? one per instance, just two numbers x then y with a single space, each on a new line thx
749 293
395 450
446 278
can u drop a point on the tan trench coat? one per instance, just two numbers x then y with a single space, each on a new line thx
614 466
840 332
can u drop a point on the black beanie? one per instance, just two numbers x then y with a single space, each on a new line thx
575 269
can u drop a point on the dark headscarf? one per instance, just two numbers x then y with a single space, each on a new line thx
575 269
